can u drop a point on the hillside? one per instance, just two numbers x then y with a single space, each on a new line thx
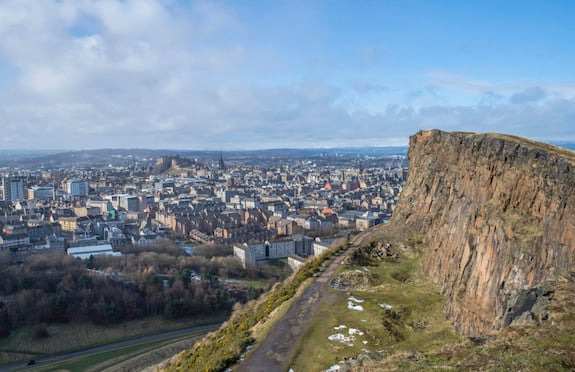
473 272
498 214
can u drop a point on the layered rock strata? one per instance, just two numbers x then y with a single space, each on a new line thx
498 217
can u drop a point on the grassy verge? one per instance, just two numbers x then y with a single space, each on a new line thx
74 336
260 330
132 357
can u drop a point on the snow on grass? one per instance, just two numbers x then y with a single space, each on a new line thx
353 331
347 340
333 368
340 337
351 298
386 306
352 306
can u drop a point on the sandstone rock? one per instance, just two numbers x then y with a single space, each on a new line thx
498 214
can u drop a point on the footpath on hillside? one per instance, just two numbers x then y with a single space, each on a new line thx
276 350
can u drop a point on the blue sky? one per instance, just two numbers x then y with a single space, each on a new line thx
80 74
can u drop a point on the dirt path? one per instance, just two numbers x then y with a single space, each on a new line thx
276 350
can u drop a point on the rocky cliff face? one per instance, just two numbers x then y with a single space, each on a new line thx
498 217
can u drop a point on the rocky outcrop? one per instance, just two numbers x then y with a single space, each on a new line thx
498 216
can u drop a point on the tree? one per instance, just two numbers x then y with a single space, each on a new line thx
251 293
176 309
90 263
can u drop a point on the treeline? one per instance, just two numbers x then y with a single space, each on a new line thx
156 280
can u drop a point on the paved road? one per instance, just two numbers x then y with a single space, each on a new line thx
276 350
115 345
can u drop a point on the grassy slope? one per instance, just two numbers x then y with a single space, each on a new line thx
73 336
415 336
415 322
247 325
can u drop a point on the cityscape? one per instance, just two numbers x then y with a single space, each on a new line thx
255 186
214 198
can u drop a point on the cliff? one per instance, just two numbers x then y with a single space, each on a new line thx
498 217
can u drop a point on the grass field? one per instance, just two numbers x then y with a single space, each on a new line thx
399 313
127 358
73 336
258 284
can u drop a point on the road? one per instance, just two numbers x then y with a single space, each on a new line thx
276 350
112 346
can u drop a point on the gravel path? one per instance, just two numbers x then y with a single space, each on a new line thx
276 350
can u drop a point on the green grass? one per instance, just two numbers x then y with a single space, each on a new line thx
278 262
75 336
416 321
251 282
107 359
224 347
100 361
414 335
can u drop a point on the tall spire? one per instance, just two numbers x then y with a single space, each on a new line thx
221 164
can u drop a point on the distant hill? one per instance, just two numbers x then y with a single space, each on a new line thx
120 157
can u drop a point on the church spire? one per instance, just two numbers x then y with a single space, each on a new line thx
221 164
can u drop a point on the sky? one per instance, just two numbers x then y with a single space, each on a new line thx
250 74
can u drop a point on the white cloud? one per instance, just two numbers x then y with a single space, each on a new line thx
158 73
532 94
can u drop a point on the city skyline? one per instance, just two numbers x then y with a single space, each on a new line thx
233 75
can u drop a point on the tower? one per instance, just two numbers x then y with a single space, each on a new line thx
221 164
13 189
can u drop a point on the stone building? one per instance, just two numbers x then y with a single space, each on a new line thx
298 245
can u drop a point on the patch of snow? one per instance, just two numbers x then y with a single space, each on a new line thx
340 337
358 271
386 306
366 269
363 320
364 342
333 368
291 370
352 306
351 298
249 347
340 327
353 331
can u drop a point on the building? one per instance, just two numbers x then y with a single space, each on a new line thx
92 250
13 189
103 205
14 242
41 193
130 203
76 187
249 254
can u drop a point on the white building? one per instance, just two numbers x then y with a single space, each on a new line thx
92 250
